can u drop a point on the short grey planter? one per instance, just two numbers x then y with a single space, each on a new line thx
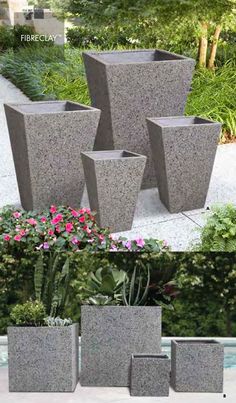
197 366
43 359
110 335
150 375
128 86
46 140
113 180
183 150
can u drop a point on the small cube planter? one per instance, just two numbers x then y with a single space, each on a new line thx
113 180
46 140
110 335
43 359
130 85
183 150
150 375
197 366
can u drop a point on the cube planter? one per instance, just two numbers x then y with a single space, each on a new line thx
197 366
43 359
110 335
46 140
183 150
129 86
113 180
150 375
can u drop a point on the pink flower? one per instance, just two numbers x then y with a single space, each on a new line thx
53 209
101 237
58 229
140 242
32 221
16 214
74 240
45 245
74 213
69 227
82 219
22 232
17 237
57 219
50 232
113 248
128 245
43 219
7 238
82 211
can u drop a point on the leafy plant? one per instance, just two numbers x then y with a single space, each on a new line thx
52 322
133 292
32 313
100 299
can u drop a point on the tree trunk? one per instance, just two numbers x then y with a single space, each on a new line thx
203 43
211 63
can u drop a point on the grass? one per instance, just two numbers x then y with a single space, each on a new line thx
49 73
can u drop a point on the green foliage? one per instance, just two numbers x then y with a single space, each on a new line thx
10 37
32 313
219 232
133 293
52 322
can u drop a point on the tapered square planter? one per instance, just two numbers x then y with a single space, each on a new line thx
46 140
197 366
110 335
129 86
183 151
150 375
113 180
43 359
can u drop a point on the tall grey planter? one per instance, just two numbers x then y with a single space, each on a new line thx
110 335
197 366
46 140
43 359
113 180
150 375
183 150
129 86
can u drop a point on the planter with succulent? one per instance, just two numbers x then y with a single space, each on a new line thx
117 322
42 351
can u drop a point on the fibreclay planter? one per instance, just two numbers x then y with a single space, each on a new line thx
129 86
113 180
150 375
43 359
46 140
110 335
183 150
197 366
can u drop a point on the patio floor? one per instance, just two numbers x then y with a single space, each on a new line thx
152 220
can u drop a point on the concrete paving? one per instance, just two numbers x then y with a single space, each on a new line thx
116 395
152 220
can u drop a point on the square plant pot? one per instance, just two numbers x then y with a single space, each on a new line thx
130 85
43 359
109 337
150 375
183 151
113 180
46 140
197 366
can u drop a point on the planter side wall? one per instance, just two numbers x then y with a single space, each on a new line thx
110 335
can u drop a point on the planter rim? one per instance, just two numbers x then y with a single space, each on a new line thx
98 56
122 306
181 121
42 327
16 106
111 155
196 342
161 356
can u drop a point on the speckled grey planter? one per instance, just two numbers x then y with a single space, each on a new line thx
113 180
197 366
150 375
110 335
46 140
129 86
43 359
183 150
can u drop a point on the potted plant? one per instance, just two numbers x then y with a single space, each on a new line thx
183 151
113 180
116 323
130 85
46 140
42 351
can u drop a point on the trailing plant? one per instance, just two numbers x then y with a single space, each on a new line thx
52 322
31 313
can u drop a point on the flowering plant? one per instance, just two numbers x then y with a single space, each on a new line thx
64 229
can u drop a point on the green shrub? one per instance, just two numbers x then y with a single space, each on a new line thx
219 232
32 313
10 37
